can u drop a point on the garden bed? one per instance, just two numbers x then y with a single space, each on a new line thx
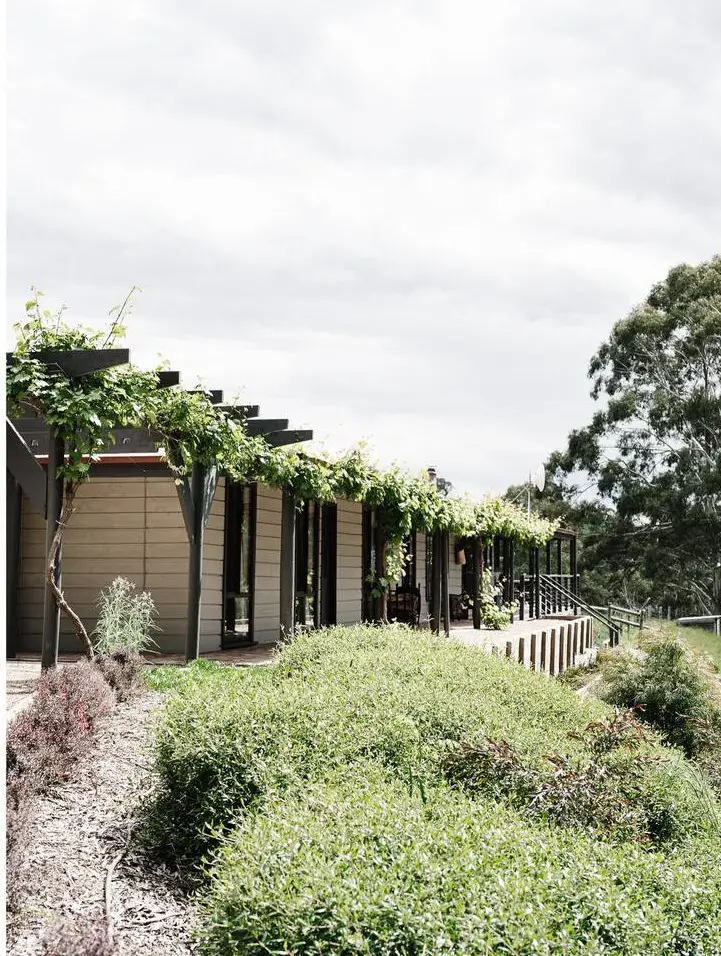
78 830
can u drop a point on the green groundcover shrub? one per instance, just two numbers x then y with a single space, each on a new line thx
671 690
359 865
325 779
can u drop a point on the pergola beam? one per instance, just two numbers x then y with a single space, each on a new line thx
78 362
276 439
266 426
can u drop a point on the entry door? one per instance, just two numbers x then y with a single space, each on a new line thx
328 565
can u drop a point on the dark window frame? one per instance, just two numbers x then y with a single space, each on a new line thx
233 544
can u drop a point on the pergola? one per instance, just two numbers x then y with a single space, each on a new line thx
31 441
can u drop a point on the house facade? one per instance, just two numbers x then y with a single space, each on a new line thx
129 522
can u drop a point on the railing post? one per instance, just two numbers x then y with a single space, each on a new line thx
522 599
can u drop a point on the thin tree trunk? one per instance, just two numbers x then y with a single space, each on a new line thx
65 513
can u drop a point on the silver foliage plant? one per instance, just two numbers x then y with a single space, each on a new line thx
126 619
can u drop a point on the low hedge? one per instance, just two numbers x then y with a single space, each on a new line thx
360 865
330 786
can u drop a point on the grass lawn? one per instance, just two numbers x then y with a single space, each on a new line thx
384 791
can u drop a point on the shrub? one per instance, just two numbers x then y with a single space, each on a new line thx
121 669
334 698
47 737
42 743
618 788
318 792
357 865
126 619
669 690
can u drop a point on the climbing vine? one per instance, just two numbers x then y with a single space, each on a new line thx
84 411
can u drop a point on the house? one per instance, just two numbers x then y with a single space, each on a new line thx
129 521
229 564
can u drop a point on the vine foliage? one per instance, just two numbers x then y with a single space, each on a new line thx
84 412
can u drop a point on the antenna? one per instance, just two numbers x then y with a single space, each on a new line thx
538 478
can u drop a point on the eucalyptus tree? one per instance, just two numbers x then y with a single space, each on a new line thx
653 448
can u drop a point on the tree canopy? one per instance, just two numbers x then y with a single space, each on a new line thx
653 448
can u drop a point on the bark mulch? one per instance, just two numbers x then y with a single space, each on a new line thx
81 832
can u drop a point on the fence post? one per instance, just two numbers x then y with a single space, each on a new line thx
521 651
552 654
561 650
533 653
543 650
575 644
509 648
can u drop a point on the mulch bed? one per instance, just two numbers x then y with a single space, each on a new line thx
83 830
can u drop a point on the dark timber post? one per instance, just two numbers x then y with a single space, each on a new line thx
445 544
195 564
54 499
13 515
573 557
537 580
379 547
477 583
287 564
436 581
511 573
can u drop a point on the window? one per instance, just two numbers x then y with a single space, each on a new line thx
238 571
307 547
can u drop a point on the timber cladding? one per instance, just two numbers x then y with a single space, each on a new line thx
266 599
131 527
349 587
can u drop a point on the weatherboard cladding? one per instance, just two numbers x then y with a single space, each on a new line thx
131 527
349 562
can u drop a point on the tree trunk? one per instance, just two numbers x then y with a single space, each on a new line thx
65 513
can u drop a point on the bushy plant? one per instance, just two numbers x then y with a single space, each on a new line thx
44 741
121 669
126 619
319 794
494 615
356 864
46 737
669 690
618 788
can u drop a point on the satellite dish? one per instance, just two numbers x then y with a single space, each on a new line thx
538 478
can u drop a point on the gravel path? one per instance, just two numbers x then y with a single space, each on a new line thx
80 830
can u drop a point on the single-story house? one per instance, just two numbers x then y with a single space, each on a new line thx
129 521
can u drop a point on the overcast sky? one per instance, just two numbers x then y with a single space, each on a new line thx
405 222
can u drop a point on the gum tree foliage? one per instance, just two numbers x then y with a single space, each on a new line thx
653 449
84 411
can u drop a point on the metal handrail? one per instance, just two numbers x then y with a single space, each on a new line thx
613 629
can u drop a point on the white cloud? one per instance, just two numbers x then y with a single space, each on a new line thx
411 222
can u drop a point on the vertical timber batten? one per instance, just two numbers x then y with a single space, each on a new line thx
287 564
436 576
445 545
195 564
54 504
477 583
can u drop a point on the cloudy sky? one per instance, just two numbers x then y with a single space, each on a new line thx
405 222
